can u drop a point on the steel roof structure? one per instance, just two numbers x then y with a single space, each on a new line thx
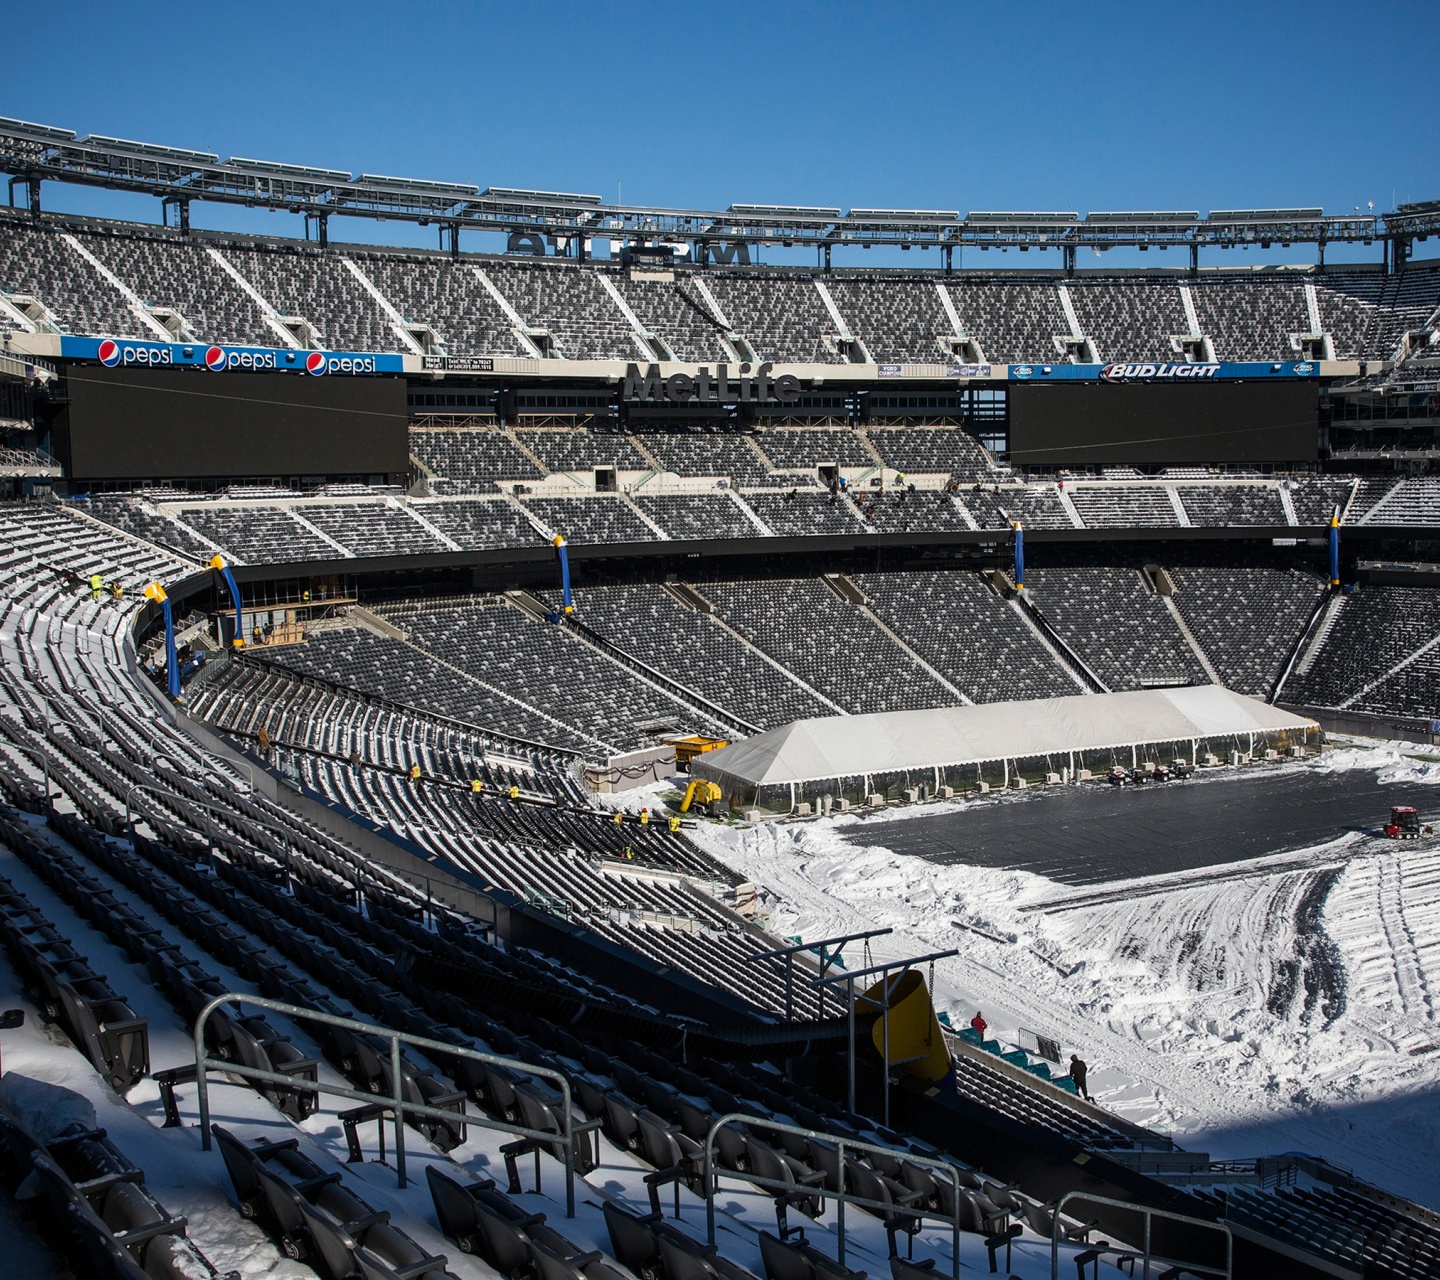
33 154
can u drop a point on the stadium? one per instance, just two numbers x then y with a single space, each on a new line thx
580 752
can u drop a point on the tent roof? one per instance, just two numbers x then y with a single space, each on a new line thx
891 741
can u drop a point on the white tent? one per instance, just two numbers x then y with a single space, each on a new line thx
890 742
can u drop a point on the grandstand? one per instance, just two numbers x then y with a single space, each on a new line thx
385 780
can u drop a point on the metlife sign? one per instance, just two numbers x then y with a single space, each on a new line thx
1164 372
126 353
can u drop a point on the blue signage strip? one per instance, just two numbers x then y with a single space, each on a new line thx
134 353
1160 371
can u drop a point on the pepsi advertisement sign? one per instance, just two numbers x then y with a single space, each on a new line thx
1163 371
123 353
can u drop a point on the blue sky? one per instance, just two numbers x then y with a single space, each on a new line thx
912 105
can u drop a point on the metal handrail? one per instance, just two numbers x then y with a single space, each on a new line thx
841 1197
1148 1213
397 1103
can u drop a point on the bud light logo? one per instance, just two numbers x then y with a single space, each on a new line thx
315 363
109 353
1021 371
215 357
1157 372
1305 368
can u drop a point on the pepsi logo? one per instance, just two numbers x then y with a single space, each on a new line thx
315 363
214 357
109 353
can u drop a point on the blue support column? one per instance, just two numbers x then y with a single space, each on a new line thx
1335 551
1019 557
218 563
156 593
172 662
559 544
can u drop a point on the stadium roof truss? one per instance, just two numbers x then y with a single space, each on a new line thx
35 153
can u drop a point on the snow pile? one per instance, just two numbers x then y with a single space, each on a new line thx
1284 1003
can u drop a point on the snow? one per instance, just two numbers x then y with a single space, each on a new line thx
1282 1004
193 1183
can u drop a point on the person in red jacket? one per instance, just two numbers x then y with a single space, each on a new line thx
979 1024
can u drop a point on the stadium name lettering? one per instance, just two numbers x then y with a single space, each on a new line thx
682 388
1156 372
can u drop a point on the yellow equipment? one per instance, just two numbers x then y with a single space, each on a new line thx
686 749
916 1042
699 789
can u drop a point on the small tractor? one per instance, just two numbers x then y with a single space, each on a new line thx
1404 823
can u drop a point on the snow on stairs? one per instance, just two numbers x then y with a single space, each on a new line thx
1317 641
1167 599
692 599
1400 666
1068 661
847 590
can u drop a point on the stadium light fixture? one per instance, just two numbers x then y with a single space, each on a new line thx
150 150
519 195
416 186
40 132
286 172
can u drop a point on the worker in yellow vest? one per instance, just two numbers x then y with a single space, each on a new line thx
618 818
514 792
414 773
644 817
674 823
97 585
476 786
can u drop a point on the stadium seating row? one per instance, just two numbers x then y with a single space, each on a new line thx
224 289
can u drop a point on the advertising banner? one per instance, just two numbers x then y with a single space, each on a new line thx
130 353
1163 371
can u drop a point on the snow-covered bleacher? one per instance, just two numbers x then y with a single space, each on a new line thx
470 461
1246 619
1377 645
1116 623
218 888
963 629
830 644
248 290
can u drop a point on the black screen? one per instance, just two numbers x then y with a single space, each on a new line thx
1077 423
135 424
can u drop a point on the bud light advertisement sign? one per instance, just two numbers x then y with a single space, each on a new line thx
1164 372
134 353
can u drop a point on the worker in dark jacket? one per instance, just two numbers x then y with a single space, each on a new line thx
979 1024
1077 1074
